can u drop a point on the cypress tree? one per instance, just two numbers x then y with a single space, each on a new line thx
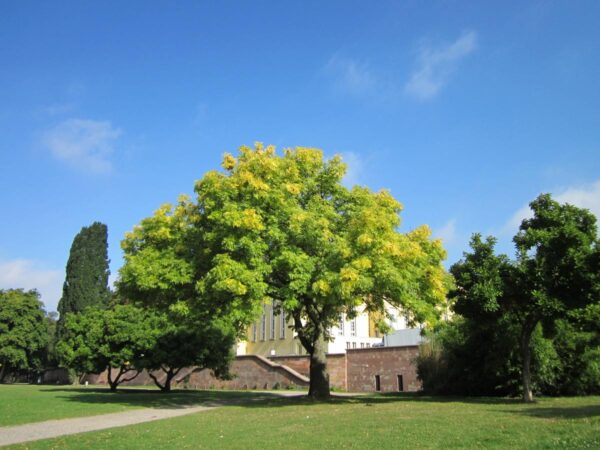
86 282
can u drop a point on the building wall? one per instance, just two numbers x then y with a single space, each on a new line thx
265 336
363 365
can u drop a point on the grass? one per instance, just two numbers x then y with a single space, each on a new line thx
374 421
21 404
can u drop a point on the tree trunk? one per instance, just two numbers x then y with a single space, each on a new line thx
319 378
3 373
526 355
113 383
166 387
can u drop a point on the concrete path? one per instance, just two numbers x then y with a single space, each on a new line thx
55 428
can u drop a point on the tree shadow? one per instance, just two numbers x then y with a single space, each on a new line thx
574 412
182 398
150 398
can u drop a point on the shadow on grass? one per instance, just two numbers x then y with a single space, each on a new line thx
176 399
150 398
574 412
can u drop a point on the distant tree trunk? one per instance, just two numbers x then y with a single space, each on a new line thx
319 378
166 386
118 380
526 333
3 373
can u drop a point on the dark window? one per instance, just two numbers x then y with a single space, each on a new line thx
377 383
400 383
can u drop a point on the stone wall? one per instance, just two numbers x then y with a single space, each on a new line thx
387 363
354 371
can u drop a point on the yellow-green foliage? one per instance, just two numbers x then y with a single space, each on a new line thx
285 229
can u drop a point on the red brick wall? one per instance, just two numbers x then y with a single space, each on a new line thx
299 363
249 373
336 366
387 362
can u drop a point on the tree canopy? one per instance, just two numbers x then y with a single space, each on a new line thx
115 340
284 229
86 282
24 332
557 270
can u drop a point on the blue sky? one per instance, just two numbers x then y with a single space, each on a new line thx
466 111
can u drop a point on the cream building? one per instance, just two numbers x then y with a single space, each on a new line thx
271 335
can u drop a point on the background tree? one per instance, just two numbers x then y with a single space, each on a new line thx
510 305
23 331
285 230
202 344
86 282
115 340
559 269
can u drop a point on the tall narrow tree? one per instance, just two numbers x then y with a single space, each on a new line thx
86 282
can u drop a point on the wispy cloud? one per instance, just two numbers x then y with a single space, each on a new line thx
84 144
435 65
586 196
447 233
26 274
350 75
354 168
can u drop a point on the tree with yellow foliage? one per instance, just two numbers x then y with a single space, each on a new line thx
284 229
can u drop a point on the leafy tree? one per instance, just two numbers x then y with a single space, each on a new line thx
86 282
23 331
285 230
115 340
204 345
558 269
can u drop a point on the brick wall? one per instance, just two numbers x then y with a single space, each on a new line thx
336 366
354 371
363 365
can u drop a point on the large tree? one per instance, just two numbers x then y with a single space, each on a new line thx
284 229
86 282
23 331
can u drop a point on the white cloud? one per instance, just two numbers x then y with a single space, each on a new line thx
435 65
587 196
354 168
83 144
350 76
447 233
26 274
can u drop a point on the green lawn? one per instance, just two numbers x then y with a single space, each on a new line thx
375 421
28 403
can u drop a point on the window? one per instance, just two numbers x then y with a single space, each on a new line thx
282 324
254 332
377 383
263 327
354 345
353 327
400 383
368 345
272 331
348 344
341 325
362 345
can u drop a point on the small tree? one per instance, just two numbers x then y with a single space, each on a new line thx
115 340
23 331
86 282
204 345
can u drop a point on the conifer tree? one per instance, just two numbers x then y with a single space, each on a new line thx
86 282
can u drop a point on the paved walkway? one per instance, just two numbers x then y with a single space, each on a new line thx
55 428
